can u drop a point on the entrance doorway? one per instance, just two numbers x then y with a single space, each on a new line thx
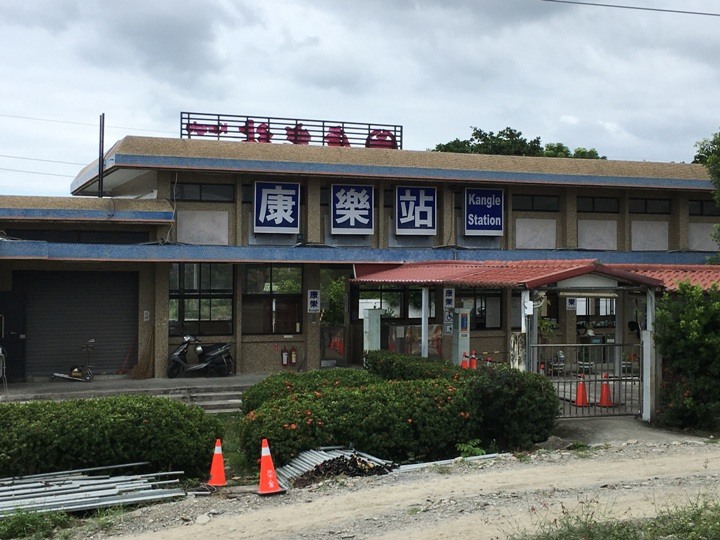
12 334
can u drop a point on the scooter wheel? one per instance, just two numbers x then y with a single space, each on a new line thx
227 368
174 370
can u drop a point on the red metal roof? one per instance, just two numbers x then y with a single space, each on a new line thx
493 274
704 275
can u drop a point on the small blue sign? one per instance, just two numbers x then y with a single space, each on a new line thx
484 212
277 208
352 209
415 210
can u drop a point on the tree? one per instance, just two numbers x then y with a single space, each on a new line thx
507 142
686 334
708 154
510 142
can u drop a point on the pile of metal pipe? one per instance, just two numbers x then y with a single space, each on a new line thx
75 491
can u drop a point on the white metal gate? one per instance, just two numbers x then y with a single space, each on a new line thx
593 379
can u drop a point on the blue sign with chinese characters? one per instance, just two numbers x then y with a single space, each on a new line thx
352 209
483 212
415 210
277 208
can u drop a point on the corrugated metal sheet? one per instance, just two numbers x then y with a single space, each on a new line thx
307 461
73 491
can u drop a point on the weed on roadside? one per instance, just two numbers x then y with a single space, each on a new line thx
25 524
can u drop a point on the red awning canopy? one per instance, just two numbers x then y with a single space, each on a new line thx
529 274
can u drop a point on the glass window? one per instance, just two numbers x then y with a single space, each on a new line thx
272 299
704 208
535 203
649 206
204 192
485 307
201 299
379 297
607 205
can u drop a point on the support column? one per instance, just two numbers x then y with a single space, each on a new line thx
424 332
651 384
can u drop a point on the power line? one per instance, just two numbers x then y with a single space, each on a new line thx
44 160
635 7
80 123
35 172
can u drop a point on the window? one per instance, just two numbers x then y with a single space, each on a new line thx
598 205
201 299
272 299
535 203
649 206
204 192
381 297
485 307
704 208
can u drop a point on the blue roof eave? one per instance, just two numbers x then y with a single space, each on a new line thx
166 253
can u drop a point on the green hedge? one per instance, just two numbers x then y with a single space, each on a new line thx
280 385
397 420
393 366
45 436
411 420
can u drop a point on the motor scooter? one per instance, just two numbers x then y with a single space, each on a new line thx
215 357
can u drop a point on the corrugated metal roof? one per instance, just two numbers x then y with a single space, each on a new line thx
704 275
496 274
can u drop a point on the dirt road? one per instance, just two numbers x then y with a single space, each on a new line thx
483 499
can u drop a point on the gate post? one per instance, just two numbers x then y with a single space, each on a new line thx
650 370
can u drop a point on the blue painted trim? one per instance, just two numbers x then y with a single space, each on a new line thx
27 250
405 172
95 215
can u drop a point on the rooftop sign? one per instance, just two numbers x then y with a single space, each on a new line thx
265 129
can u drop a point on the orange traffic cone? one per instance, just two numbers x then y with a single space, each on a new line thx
268 479
581 395
605 394
217 469
465 363
473 361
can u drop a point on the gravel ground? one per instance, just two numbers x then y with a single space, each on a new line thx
620 477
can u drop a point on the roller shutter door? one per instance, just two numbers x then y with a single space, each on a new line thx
66 309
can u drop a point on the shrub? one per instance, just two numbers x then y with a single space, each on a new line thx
402 367
519 408
45 436
284 384
401 421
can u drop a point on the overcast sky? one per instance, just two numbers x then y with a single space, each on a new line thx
635 85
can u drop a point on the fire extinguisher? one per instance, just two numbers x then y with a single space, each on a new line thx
284 356
293 355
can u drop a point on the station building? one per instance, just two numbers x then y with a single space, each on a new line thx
229 235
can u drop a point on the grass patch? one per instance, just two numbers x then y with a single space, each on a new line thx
699 520
24 524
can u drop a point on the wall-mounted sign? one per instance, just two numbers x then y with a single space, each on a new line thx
415 210
277 208
571 304
483 212
352 209
448 298
313 301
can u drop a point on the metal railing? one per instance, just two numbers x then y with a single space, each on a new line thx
266 129
593 379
